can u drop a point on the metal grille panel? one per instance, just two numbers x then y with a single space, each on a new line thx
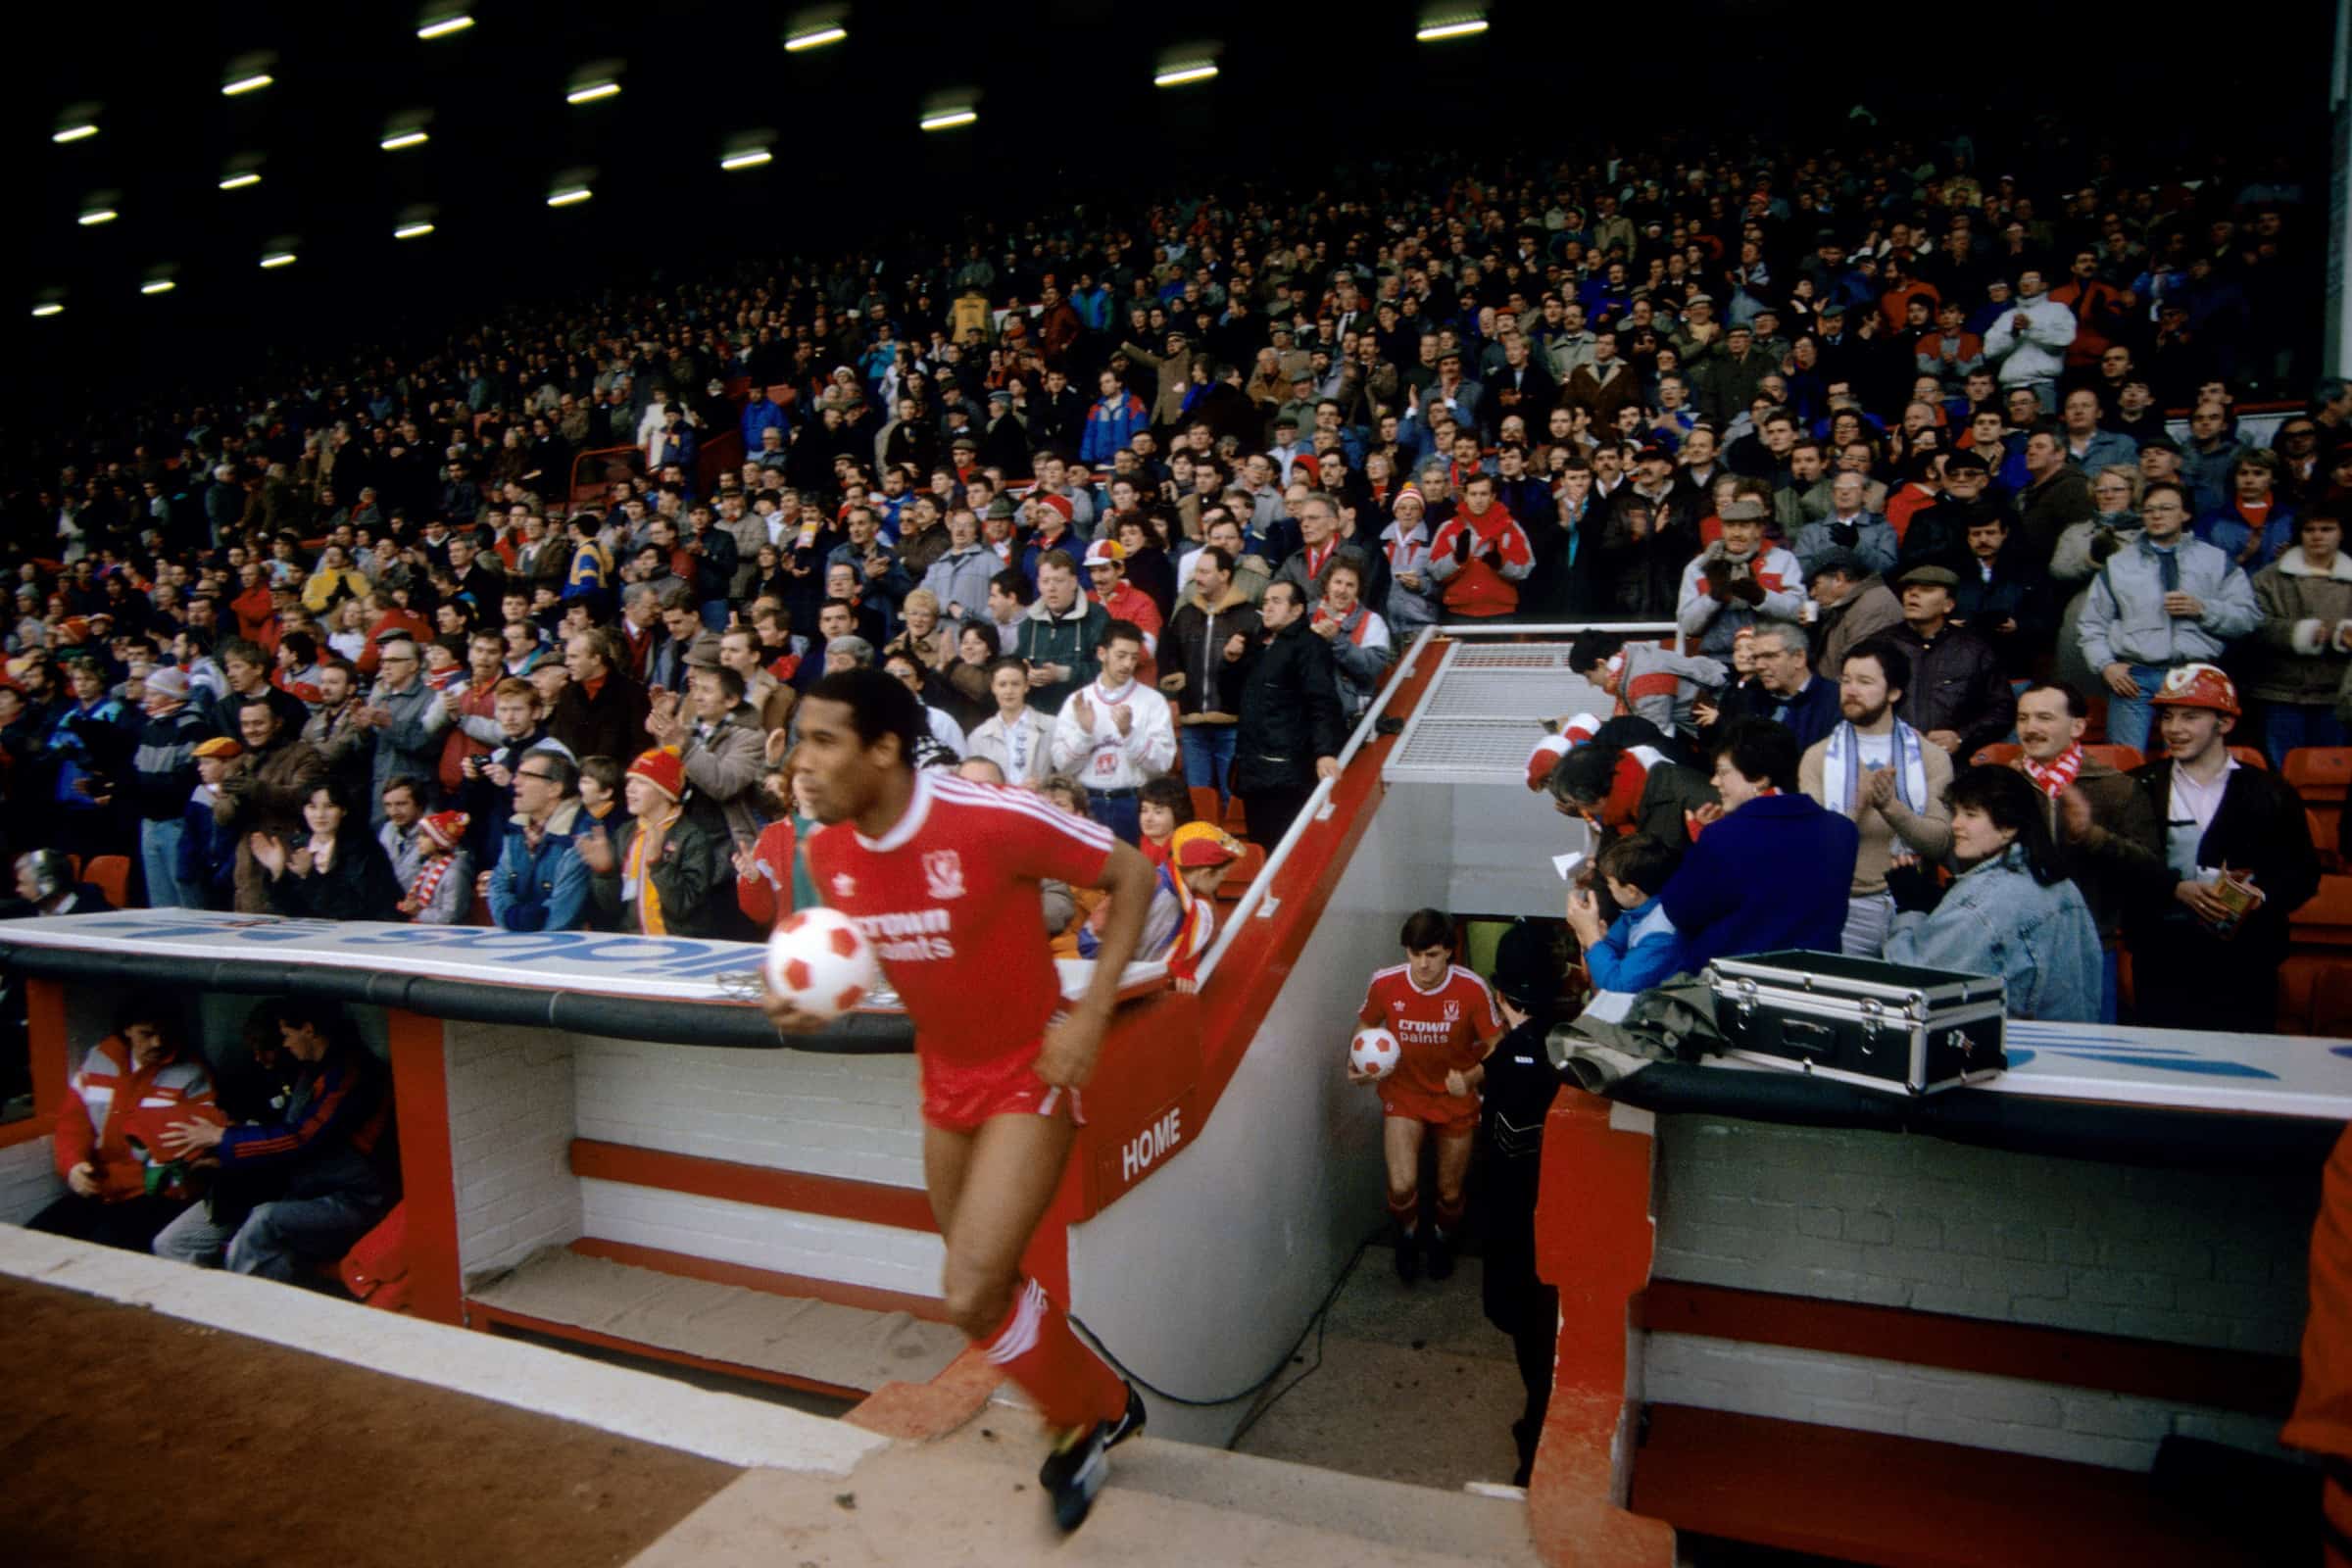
1466 749
1485 711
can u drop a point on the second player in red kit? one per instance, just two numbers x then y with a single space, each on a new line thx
1445 1021
943 874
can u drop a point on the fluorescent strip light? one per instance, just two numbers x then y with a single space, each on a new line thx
1452 29
407 139
278 259
814 40
411 230
751 158
74 134
589 95
50 309
948 119
445 26
1182 74
240 181
245 84
96 216
161 285
571 197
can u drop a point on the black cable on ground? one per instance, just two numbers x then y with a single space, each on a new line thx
1314 1324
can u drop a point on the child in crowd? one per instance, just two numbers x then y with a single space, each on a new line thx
443 886
1191 867
1639 947
1162 806
772 875
600 787
207 847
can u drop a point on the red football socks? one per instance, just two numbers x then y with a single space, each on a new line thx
1037 1349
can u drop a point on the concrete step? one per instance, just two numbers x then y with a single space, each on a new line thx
972 1498
798 1340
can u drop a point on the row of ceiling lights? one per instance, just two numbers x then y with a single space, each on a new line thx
744 156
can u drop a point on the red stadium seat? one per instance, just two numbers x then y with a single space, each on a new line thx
2251 756
110 874
1205 803
1997 754
1246 870
2319 774
2123 758
2324 826
2327 920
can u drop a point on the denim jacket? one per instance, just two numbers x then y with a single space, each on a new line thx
1997 921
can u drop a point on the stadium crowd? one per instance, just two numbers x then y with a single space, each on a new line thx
1143 512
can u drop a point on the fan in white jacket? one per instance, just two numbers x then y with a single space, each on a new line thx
1118 732
2035 352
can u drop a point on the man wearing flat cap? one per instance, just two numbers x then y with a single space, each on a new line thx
1958 696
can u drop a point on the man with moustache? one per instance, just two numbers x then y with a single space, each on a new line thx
2101 819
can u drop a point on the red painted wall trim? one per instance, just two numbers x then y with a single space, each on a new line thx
1593 1242
768 1282
2230 1380
491 1316
45 1038
1908 1502
428 1179
835 1197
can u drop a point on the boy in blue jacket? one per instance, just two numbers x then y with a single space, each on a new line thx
1641 947
207 850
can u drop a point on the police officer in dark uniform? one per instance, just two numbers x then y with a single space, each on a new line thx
1519 1087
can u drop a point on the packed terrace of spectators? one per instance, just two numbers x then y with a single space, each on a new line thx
510 630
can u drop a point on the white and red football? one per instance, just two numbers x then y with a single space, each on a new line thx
820 961
1374 1051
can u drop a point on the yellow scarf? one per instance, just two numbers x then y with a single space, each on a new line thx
634 876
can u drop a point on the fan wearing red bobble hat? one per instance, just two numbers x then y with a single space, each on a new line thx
2211 932
443 886
658 875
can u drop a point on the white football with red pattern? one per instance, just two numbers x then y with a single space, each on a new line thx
820 961
1374 1051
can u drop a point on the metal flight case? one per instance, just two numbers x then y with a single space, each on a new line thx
1863 1022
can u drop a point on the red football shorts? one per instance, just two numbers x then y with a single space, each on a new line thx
1446 1115
960 1098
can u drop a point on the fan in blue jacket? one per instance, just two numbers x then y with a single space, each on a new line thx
1112 421
1772 872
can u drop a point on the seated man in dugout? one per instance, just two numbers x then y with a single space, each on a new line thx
297 1191
120 1187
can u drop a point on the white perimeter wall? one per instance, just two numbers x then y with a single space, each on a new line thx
1201 1278
2195 1257
509 1144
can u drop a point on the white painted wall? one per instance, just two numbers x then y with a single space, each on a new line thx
850 1252
828 1115
511 1117
2196 1257
1201 1278
29 1180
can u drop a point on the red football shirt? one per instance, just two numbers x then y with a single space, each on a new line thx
1441 1031
948 897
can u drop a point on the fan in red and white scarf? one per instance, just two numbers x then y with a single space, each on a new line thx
2055 776
441 888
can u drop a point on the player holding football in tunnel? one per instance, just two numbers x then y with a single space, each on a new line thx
942 875
1446 1022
